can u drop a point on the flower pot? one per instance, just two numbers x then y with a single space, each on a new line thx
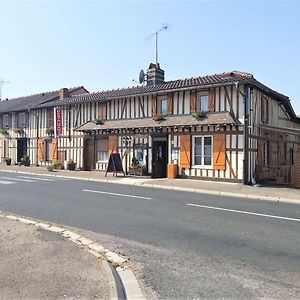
8 162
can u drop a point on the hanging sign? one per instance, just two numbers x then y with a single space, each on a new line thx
58 122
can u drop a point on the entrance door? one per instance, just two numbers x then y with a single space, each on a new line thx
21 148
89 155
159 159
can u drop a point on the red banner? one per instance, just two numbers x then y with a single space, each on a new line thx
58 122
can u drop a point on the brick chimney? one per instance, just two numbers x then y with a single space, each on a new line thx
155 75
63 93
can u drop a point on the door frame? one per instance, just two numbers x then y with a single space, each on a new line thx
159 138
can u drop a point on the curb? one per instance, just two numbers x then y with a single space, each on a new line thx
174 188
130 288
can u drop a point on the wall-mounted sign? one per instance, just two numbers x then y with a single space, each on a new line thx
58 122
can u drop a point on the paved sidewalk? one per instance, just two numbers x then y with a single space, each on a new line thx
38 264
200 186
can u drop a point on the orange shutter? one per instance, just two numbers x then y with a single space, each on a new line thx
185 151
54 149
40 149
170 104
193 102
112 144
219 151
154 106
211 100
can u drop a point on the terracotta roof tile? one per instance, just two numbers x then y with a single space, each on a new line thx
203 81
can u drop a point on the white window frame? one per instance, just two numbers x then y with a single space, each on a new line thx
198 103
202 166
102 161
159 108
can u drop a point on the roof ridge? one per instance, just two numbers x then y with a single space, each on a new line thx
42 93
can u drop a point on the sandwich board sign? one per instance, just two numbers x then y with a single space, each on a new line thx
115 164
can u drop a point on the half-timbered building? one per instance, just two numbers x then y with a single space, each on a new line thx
225 126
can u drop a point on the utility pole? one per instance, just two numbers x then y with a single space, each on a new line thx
2 82
164 27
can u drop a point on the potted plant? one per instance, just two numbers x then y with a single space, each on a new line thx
25 161
49 131
200 115
57 164
7 160
98 121
71 165
4 132
136 168
50 168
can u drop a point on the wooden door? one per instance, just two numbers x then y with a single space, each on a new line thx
89 154
159 159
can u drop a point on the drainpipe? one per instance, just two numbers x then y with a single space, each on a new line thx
37 137
247 96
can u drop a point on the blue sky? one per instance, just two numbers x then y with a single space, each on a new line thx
101 44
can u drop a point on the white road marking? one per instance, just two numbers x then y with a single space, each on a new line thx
116 194
6 182
245 212
36 178
17 179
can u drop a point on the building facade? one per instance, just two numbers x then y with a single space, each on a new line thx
226 126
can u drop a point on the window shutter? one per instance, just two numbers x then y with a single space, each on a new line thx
54 149
170 104
112 144
154 106
193 102
185 151
219 151
40 149
211 100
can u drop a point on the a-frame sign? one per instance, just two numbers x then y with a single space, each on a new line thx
114 164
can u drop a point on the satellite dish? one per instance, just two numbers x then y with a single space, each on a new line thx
142 76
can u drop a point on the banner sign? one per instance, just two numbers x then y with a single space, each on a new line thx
58 122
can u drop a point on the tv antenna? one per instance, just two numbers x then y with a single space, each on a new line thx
164 27
2 82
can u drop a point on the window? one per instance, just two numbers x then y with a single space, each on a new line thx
202 151
140 155
22 119
5 121
265 153
163 107
50 118
48 150
102 150
202 103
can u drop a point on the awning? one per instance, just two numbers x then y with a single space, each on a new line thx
218 118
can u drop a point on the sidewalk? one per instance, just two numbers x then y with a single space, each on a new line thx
38 264
280 194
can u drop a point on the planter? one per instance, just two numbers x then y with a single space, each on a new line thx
8 162
137 171
71 167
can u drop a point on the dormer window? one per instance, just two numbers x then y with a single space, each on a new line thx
202 103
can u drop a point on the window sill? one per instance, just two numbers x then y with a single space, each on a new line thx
210 167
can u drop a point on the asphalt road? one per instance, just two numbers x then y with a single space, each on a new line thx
183 245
